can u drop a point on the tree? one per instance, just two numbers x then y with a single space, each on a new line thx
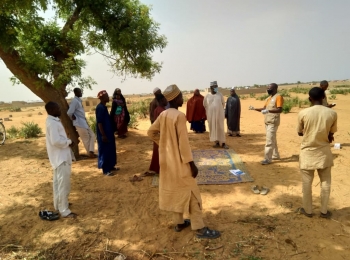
45 54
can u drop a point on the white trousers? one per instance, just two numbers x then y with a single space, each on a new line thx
271 149
61 188
88 138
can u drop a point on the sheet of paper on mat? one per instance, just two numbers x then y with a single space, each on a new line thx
237 172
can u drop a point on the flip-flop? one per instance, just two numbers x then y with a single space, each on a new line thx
225 147
264 190
186 224
302 211
48 215
208 233
255 189
135 178
71 215
147 174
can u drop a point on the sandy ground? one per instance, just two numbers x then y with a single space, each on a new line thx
115 214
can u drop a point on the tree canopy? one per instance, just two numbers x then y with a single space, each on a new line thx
45 54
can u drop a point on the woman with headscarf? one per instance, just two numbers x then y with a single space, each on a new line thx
195 112
120 114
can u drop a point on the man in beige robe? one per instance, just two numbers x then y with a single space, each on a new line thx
214 106
178 190
316 124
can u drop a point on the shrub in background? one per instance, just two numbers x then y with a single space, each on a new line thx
91 120
30 130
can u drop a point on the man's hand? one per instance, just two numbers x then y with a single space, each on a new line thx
73 117
194 169
330 137
72 144
104 139
264 111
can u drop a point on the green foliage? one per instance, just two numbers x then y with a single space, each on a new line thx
30 130
284 93
340 91
12 132
300 90
49 50
287 106
332 97
263 97
133 121
252 95
140 108
15 109
91 120
243 97
342 86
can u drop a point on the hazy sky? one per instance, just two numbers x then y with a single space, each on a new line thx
236 42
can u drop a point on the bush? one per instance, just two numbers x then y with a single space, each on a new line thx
92 123
15 109
29 115
12 132
284 93
252 95
30 130
304 102
243 97
300 90
133 121
342 86
340 91
332 97
287 106
140 108
263 97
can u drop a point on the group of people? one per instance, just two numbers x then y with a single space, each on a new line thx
172 155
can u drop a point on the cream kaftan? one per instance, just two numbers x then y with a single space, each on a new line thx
214 106
176 183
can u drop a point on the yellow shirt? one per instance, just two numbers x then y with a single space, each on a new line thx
316 123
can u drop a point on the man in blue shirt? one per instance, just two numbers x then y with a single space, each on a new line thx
77 113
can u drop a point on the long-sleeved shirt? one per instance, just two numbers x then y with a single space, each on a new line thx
57 143
76 109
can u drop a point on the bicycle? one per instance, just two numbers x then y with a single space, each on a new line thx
2 132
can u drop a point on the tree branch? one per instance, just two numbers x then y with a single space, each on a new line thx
70 22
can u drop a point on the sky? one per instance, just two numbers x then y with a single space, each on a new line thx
235 42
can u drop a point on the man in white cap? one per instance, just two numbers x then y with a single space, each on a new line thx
214 105
154 103
178 190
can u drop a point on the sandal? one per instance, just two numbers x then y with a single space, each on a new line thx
208 233
217 145
327 215
148 174
302 211
180 227
224 146
255 189
71 215
135 178
48 215
264 190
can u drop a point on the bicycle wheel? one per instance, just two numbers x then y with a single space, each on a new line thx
2 134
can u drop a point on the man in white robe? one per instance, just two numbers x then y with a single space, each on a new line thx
214 105
178 190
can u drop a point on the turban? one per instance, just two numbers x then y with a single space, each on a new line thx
233 88
171 92
213 83
155 90
101 93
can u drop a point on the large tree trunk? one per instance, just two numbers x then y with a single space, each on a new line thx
44 90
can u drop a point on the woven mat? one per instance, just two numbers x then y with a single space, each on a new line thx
214 167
